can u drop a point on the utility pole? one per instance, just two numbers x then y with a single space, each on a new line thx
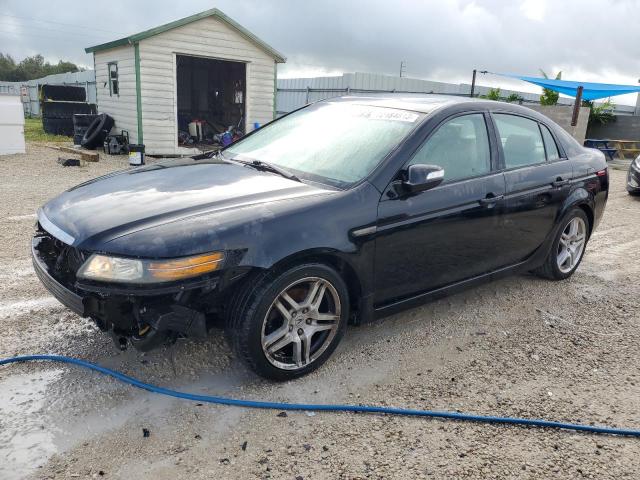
473 83
576 106
403 66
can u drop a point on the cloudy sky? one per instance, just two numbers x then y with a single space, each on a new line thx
438 39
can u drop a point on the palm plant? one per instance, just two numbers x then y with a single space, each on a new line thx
514 98
549 97
602 113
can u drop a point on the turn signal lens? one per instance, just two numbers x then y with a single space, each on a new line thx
129 270
185 267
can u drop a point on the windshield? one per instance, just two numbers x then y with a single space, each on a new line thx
336 143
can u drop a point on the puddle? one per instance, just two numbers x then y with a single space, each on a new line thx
26 435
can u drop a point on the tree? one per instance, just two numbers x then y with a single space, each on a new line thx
7 67
31 68
549 97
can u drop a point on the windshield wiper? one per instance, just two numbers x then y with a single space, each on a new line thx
269 167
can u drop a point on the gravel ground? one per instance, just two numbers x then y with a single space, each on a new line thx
517 347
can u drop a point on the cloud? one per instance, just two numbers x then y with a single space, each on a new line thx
438 40
533 9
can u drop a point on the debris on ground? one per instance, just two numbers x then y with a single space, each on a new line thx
70 162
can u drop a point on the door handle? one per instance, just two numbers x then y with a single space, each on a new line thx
559 182
490 199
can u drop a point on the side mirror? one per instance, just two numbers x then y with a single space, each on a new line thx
421 177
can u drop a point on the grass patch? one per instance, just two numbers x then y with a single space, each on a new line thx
33 132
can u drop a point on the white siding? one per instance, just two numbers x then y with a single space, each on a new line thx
123 107
211 38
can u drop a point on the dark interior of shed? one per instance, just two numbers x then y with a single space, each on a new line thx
211 94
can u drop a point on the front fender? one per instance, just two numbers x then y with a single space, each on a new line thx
264 235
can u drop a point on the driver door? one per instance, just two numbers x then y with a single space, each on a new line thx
448 233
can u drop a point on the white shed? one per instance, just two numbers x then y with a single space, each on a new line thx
204 67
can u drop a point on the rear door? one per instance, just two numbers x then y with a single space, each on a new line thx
538 179
451 232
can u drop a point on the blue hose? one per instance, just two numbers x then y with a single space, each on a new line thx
319 407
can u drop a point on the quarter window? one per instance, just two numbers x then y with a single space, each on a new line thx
114 85
550 144
460 146
521 140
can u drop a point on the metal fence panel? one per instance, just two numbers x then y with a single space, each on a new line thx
29 90
293 93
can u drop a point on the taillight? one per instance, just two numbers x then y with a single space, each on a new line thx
602 173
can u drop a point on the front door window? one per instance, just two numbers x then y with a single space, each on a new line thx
460 146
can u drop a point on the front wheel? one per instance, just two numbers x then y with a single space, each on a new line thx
284 325
568 247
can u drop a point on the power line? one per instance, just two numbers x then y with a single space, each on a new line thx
53 30
85 27
37 35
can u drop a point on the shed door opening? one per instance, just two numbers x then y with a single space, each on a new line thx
211 101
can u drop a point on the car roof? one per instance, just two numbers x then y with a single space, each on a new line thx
428 103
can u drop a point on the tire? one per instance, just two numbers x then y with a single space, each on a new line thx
97 131
58 126
83 120
64 93
254 324
66 110
551 268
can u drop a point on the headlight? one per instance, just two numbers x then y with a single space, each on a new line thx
636 163
130 270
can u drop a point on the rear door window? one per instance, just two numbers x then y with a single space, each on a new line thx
550 144
521 140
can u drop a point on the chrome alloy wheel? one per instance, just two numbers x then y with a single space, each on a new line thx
571 244
301 323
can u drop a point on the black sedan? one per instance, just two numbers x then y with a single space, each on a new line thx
340 212
633 177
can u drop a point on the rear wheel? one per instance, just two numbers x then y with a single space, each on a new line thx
287 324
568 247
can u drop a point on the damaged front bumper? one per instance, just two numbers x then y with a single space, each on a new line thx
144 317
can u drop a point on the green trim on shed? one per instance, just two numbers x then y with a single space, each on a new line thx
136 52
275 89
214 12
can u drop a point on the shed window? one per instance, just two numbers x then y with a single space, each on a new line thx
114 86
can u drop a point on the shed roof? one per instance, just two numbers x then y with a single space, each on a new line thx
214 12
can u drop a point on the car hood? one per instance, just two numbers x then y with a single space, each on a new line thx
124 202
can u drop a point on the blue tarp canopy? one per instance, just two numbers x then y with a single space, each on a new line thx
591 91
